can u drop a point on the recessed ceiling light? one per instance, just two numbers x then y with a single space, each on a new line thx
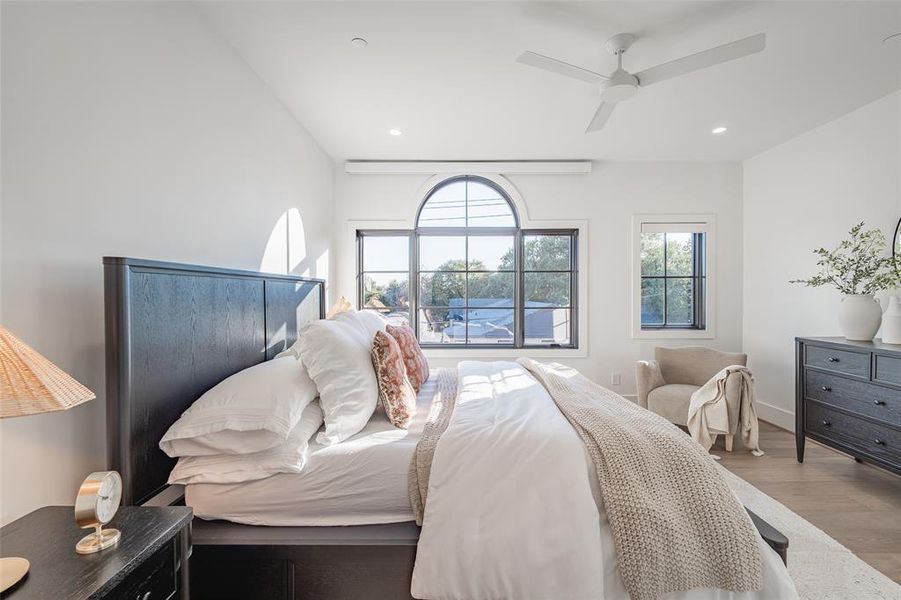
358 43
395 132
895 37
719 130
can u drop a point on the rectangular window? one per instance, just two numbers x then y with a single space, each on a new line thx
462 287
383 278
673 275
549 292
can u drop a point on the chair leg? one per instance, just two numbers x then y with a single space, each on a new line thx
728 442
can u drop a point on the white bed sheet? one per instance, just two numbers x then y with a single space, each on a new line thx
362 480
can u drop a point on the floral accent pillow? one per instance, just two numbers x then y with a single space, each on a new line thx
414 360
395 391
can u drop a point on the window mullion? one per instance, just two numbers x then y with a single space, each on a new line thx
519 311
665 286
466 273
414 283
360 276
573 290
694 280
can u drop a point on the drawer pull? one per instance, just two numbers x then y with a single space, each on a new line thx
879 442
826 388
879 402
827 423
832 359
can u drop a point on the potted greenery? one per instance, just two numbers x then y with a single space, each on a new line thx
858 267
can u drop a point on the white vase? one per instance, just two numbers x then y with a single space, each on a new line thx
891 322
859 317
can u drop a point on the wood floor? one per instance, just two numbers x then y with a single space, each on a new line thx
858 505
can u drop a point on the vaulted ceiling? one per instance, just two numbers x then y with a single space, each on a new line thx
444 74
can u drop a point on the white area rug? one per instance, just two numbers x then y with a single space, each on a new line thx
822 568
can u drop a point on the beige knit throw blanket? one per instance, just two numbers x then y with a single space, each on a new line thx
676 524
708 410
439 416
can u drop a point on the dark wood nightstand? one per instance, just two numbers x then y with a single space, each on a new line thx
150 562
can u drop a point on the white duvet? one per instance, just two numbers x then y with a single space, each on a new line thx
513 511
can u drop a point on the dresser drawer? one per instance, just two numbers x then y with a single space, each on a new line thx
153 580
862 397
880 441
840 361
887 369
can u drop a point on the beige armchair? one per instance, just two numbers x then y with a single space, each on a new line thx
665 385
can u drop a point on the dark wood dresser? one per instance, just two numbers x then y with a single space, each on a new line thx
150 562
848 396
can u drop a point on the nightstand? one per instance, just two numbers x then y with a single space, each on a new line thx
150 562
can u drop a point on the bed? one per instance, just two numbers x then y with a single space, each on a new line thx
361 481
174 331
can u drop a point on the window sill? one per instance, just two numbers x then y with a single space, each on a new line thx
503 353
674 334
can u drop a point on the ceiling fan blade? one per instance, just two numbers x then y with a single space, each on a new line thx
600 116
559 67
702 60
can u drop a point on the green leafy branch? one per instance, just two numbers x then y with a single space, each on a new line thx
858 265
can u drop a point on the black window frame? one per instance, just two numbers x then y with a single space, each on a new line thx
699 286
519 272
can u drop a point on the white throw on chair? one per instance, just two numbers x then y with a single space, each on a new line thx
665 385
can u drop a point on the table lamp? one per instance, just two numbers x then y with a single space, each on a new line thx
30 384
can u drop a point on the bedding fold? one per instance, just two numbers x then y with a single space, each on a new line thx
676 524
421 462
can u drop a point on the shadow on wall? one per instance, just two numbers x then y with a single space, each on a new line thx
287 250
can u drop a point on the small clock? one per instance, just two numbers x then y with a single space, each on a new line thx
96 504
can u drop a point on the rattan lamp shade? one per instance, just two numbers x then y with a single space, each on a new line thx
29 383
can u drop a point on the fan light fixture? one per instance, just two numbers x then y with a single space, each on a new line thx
395 132
719 130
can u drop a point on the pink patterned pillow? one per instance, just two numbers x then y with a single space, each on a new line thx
395 391
414 360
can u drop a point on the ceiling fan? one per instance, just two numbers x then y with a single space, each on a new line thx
622 85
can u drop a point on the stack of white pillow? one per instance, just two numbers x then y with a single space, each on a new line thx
260 421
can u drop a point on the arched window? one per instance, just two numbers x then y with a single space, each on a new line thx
466 202
478 279
466 236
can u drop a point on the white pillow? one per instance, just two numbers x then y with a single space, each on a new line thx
336 355
252 410
368 321
287 457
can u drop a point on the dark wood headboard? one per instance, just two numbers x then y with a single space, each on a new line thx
173 331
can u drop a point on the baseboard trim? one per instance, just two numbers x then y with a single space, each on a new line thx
784 419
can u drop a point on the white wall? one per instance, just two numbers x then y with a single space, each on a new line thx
798 196
129 129
606 199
